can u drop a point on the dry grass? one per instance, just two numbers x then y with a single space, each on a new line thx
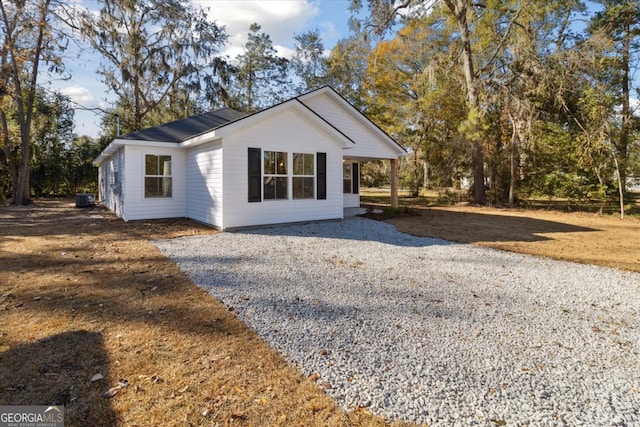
83 293
583 237
586 238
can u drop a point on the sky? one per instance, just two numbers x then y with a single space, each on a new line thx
281 19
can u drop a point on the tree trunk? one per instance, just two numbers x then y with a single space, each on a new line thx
513 168
459 10
13 172
623 141
25 109
425 177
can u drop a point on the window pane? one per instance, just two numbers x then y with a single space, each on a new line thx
298 163
269 162
308 164
281 163
346 186
158 187
150 164
303 187
164 163
281 188
308 187
298 189
167 185
269 192
151 187
346 171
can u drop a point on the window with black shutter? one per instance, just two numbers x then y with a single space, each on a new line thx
321 170
355 181
255 175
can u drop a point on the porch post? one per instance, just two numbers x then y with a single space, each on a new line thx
394 183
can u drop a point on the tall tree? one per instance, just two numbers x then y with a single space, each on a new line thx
415 95
309 63
52 138
29 39
347 68
619 24
261 77
155 56
467 16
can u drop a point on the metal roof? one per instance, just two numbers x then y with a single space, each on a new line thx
183 129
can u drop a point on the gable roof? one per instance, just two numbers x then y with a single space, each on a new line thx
183 129
200 128
355 113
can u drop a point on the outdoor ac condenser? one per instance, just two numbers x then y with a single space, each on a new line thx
84 200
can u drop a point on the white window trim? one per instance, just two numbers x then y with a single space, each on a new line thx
145 176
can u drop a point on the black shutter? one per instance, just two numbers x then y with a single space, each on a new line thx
355 178
321 184
255 175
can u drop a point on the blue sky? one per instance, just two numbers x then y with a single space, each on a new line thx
281 19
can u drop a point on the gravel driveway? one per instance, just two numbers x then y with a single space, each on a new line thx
429 331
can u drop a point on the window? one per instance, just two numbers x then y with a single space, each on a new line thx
350 175
346 178
275 178
157 176
303 176
269 175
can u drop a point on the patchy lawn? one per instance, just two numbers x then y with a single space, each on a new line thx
586 238
83 293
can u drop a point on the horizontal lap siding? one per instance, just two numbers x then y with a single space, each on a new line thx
139 207
204 183
351 200
110 190
287 131
367 143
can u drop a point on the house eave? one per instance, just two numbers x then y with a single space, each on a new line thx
399 150
117 143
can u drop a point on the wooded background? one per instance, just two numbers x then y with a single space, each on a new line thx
508 98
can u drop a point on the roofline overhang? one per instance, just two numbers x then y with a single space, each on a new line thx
361 117
118 142
294 103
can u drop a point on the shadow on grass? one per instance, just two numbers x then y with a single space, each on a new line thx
57 370
469 227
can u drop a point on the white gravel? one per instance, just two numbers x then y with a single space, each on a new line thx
428 331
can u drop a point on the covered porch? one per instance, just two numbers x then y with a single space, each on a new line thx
351 174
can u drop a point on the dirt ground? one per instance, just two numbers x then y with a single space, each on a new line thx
84 295
89 306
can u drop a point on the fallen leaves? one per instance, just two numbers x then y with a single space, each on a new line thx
123 383
314 377
96 377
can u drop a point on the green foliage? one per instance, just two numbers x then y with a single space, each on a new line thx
156 55
309 63
60 164
260 77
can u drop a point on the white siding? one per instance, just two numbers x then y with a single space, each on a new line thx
287 131
136 206
204 184
111 184
351 200
367 143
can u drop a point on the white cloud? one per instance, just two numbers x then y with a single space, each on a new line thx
328 31
280 19
80 95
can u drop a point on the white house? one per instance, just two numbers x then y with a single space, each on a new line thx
296 161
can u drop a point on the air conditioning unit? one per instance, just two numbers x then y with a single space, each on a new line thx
84 200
